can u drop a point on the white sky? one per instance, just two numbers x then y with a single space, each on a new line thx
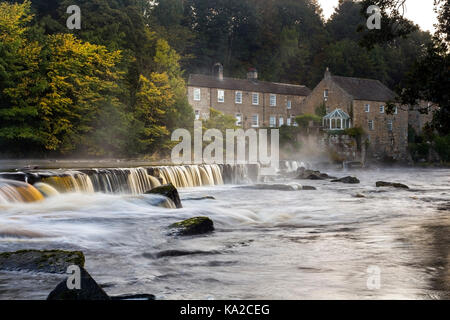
419 11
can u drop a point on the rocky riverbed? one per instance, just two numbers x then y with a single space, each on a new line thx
261 242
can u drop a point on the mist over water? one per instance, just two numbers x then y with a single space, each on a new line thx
267 244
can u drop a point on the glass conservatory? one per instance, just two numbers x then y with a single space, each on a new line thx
337 120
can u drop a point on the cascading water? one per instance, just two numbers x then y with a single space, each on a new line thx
37 185
15 191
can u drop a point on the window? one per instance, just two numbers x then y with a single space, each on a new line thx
273 121
288 121
289 104
197 94
238 119
325 94
273 100
197 114
255 99
281 121
381 109
220 96
395 110
238 98
367 108
255 121
371 125
390 125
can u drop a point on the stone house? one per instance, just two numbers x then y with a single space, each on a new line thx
420 115
356 102
252 102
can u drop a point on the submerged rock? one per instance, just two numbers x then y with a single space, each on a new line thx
277 187
169 191
200 198
90 290
141 297
391 184
50 261
180 253
193 226
309 188
359 195
351 180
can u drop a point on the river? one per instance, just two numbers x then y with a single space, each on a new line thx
267 244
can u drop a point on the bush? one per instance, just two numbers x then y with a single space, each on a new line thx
304 120
442 147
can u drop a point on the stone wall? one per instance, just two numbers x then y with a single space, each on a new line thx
337 98
383 142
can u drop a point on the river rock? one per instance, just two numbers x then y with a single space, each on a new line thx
359 195
140 297
201 198
308 188
391 184
169 191
193 226
275 187
351 180
49 261
90 290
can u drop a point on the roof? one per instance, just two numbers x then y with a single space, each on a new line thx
337 114
364 89
200 80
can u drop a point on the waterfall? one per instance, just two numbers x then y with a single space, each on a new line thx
35 185
15 191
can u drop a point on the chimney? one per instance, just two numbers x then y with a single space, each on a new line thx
218 70
327 73
252 74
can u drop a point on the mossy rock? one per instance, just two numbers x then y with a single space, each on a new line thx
391 184
168 191
48 261
193 226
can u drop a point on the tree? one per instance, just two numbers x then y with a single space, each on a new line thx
20 81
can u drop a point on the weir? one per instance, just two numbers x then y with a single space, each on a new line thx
34 185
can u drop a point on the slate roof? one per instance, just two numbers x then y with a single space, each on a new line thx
364 89
200 80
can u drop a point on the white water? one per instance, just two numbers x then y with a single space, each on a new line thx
268 244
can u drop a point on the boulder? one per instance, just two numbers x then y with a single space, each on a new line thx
193 226
89 290
169 191
309 188
351 180
391 184
49 261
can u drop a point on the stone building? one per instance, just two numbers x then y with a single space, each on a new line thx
421 115
355 102
253 103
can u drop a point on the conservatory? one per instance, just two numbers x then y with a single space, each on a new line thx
337 120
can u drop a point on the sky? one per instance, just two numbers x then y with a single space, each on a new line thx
419 11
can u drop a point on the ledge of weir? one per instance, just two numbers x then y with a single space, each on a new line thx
20 164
